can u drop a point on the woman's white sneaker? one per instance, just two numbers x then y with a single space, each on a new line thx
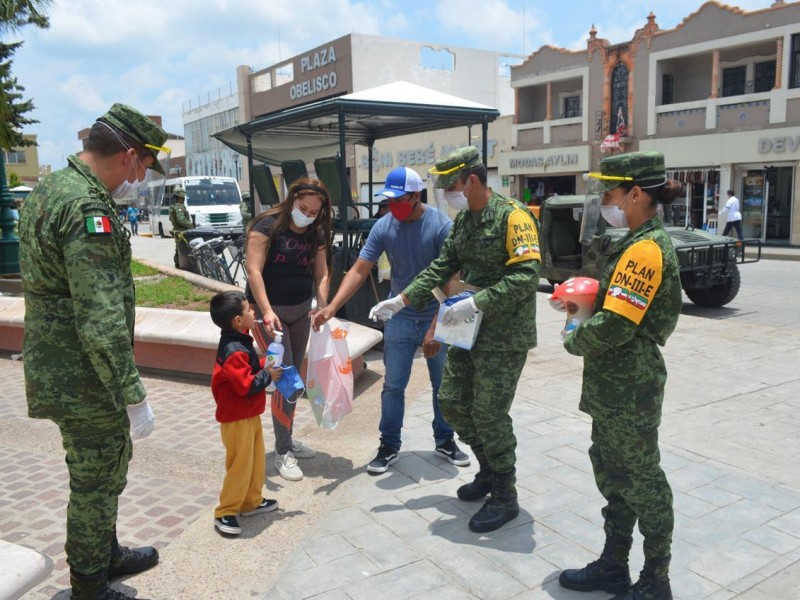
287 467
300 450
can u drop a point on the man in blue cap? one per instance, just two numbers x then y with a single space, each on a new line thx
412 236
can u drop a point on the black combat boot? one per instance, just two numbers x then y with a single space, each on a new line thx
129 561
94 587
482 484
608 573
653 582
501 507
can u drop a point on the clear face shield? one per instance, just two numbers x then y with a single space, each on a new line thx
596 187
151 190
447 202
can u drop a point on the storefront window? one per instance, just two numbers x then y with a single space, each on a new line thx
734 81
619 100
794 64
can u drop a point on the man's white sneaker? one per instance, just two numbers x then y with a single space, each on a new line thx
287 467
300 450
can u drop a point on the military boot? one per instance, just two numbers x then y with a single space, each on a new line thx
129 561
608 573
501 507
653 582
482 484
94 587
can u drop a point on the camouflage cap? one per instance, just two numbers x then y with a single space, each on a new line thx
245 195
141 128
179 193
450 167
645 169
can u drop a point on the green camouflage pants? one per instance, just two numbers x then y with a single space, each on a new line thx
97 459
475 396
628 474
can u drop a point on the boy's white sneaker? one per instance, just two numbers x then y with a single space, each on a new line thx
300 450
287 466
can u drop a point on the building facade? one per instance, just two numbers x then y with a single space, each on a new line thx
24 162
719 95
355 63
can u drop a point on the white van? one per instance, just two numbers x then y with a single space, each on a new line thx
211 202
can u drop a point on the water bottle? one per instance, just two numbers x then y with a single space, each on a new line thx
275 351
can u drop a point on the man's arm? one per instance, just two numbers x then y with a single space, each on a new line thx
355 277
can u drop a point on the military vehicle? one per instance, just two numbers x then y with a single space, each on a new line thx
708 262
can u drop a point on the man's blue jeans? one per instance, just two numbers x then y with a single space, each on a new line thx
402 336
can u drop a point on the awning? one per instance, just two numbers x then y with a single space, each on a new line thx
313 130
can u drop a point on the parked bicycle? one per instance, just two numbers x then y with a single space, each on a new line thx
220 259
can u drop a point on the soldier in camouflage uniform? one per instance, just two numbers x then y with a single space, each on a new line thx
495 246
245 208
180 220
636 309
75 259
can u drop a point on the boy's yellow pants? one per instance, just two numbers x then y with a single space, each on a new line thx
245 467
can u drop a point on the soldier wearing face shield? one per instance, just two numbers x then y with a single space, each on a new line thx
635 311
494 243
75 259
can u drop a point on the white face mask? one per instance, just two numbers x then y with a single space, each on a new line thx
456 200
301 220
613 215
128 189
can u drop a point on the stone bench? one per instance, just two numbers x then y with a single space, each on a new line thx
179 341
21 569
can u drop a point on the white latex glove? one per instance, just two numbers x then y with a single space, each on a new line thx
143 421
460 311
383 311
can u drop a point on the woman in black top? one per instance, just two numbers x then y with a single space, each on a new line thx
286 266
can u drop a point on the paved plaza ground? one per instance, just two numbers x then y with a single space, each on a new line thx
729 441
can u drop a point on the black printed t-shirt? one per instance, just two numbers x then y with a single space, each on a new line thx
287 273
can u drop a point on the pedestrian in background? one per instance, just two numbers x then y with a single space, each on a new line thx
246 209
494 244
239 384
636 310
75 261
412 236
133 218
180 220
287 266
733 215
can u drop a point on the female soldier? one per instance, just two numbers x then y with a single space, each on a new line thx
636 310
286 262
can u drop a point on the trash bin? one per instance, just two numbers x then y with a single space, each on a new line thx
184 260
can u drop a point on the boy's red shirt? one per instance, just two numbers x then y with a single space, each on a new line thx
239 380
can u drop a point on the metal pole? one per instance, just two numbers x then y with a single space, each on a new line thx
9 242
485 132
344 204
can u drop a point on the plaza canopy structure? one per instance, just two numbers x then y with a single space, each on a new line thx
326 127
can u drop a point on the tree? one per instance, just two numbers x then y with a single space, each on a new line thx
14 14
13 180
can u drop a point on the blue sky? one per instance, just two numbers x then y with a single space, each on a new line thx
158 55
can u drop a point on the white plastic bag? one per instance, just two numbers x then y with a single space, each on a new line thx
329 381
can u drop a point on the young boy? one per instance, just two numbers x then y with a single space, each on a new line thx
238 384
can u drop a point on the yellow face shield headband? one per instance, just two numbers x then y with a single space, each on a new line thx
163 149
602 177
433 170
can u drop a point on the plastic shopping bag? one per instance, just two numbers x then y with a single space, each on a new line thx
290 384
329 382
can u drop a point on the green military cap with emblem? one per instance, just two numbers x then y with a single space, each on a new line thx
141 128
179 193
645 169
450 167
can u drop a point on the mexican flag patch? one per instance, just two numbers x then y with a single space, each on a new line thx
98 225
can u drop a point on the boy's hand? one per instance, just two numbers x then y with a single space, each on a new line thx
275 373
